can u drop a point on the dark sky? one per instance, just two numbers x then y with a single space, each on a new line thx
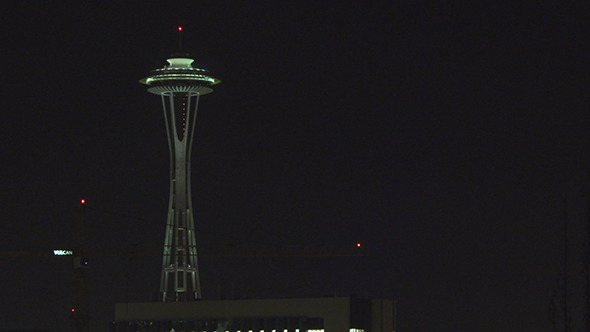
451 141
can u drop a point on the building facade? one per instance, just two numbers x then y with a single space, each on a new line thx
338 314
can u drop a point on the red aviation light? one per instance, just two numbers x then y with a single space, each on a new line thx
358 245
73 309
179 28
82 201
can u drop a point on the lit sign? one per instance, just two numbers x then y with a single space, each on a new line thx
63 252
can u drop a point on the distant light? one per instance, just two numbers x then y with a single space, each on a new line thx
73 309
358 244
82 201
179 28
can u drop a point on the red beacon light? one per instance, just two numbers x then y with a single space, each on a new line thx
358 245
179 28
82 201
73 310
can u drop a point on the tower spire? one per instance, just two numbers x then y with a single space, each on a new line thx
180 85
179 39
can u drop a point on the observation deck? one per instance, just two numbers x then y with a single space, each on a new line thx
180 76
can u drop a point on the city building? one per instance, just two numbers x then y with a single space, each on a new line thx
337 314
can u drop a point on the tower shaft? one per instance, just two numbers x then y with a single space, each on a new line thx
180 86
180 273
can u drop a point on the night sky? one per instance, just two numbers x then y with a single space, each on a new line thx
451 141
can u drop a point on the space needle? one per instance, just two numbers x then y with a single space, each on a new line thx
180 86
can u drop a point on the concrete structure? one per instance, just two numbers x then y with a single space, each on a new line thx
339 314
180 85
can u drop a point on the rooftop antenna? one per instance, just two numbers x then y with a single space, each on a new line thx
179 39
